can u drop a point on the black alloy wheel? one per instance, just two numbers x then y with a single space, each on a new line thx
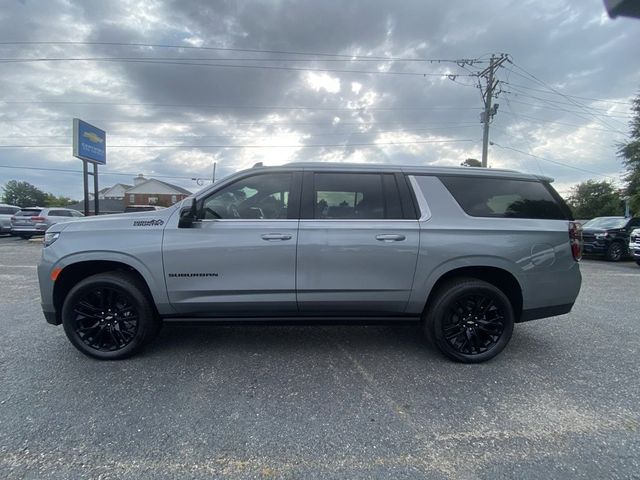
105 319
615 252
473 324
108 316
470 320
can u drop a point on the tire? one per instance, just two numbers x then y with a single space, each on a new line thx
25 236
615 252
638 262
469 320
109 317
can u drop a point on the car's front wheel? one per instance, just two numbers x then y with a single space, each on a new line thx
469 320
108 316
615 252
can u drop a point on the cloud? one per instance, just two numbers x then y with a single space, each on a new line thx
220 114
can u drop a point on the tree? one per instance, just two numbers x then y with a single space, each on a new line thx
23 194
471 162
595 199
52 200
630 153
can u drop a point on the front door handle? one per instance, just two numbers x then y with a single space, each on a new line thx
276 236
390 237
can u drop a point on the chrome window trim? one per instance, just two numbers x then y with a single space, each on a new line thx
425 211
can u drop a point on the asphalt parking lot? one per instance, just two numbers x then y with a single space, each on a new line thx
323 402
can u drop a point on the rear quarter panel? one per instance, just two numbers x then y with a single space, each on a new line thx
535 252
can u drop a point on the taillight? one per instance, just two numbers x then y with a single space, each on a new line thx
38 219
575 239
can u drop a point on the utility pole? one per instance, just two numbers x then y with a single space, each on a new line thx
487 96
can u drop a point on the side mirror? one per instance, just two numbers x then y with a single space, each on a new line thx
188 216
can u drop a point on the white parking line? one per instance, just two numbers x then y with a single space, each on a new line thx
18 266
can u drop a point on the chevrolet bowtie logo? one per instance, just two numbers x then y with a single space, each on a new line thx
92 137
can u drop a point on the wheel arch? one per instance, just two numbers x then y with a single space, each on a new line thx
82 268
497 276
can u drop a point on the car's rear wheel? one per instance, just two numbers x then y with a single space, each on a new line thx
469 320
25 236
615 252
108 316
638 262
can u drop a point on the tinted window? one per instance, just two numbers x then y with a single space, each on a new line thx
494 197
355 196
28 213
59 213
257 197
8 210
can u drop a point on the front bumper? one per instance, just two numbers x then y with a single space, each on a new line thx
595 248
634 250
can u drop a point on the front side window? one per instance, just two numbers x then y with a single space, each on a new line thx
355 196
263 196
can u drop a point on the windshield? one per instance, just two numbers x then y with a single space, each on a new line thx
606 222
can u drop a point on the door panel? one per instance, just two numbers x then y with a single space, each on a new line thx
239 258
227 267
357 251
343 268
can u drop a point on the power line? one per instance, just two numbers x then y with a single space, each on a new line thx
552 161
462 61
544 84
227 124
522 92
551 106
258 67
239 107
566 94
311 134
542 120
340 145
44 169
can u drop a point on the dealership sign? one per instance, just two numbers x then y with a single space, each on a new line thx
89 142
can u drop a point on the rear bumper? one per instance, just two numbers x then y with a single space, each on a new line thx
29 229
544 312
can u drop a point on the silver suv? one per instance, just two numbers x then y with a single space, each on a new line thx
6 212
36 220
466 252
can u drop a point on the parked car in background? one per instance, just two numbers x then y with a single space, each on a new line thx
609 236
634 245
6 212
31 221
141 208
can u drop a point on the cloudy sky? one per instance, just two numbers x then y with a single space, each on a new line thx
281 81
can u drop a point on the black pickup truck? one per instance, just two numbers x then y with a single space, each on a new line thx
608 236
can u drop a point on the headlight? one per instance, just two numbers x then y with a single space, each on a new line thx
49 238
600 236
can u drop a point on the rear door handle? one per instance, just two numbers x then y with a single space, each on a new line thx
390 237
276 236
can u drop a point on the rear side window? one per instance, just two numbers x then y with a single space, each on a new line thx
356 196
28 213
60 213
505 198
8 210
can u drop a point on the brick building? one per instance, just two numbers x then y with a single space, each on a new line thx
153 192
